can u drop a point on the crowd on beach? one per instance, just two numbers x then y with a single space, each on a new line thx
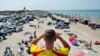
24 45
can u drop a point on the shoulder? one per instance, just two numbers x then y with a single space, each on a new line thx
63 51
35 48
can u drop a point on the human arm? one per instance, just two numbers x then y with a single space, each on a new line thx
65 44
38 39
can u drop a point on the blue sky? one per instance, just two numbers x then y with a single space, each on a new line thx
49 4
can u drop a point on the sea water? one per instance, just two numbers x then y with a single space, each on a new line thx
93 14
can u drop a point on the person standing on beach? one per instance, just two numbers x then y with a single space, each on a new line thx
31 38
49 37
93 26
20 50
35 34
8 52
76 20
38 25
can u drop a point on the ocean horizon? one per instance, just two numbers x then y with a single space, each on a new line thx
93 14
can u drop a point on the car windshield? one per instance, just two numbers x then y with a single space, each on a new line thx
64 24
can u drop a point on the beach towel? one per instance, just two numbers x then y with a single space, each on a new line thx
79 53
97 43
72 37
74 42
37 51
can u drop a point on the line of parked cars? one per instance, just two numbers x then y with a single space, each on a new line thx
14 24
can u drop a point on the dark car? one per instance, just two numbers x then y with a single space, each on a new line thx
19 24
3 34
23 21
49 23
97 26
9 30
64 26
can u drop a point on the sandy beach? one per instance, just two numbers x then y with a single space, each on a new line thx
82 31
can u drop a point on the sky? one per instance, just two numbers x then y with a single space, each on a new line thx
50 4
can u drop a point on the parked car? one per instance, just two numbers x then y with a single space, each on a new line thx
30 18
19 28
49 23
97 26
23 21
3 34
64 26
9 30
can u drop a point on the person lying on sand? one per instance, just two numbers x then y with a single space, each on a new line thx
88 45
49 37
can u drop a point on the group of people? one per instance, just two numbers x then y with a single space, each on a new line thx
25 45
50 37
31 47
73 20
35 26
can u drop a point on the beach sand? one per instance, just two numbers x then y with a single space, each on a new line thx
82 31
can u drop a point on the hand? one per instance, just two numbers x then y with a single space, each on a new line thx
58 36
43 35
